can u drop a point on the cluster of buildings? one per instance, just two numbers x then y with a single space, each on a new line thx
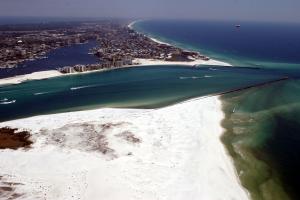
118 45
20 44
126 61
124 42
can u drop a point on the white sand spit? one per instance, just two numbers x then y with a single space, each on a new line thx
145 62
138 63
33 76
171 153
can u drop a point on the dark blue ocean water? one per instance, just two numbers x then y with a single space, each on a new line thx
253 44
66 56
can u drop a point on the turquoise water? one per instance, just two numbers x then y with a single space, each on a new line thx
147 87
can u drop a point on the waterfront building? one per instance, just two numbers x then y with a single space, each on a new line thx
80 68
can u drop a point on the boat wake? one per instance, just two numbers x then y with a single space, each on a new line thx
7 102
41 93
194 77
82 87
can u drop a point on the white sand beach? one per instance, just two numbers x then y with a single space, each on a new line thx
138 63
163 62
196 62
33 76
130 25
171 153
159 42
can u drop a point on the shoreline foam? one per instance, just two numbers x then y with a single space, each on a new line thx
177 154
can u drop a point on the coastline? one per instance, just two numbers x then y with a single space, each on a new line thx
146 62
141 62
210 62
178 153
196 147
223 143
153 39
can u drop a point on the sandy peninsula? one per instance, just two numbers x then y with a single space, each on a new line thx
169 153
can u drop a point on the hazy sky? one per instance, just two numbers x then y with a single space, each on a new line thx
266 10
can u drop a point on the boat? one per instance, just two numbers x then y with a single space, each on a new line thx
237 26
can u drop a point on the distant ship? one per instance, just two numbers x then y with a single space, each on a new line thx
237 26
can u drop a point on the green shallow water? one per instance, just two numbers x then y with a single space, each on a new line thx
262 134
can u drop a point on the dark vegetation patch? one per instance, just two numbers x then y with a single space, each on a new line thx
11 138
